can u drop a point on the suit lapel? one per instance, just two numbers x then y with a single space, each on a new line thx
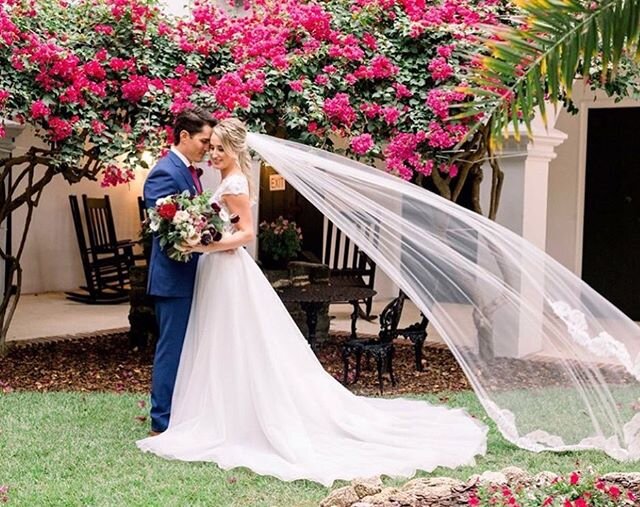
183 173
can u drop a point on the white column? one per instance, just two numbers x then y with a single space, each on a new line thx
540 153
524 210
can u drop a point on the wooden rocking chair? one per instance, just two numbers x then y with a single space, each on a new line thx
105 260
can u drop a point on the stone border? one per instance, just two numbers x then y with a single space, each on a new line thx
27 342
448 492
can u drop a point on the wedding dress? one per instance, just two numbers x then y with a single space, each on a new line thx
250 392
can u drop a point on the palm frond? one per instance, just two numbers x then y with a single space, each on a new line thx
562 40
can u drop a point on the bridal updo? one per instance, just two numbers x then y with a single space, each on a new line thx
232 133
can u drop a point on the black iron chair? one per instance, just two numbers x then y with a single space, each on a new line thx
382 349
105 259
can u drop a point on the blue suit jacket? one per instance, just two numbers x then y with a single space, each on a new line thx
167 277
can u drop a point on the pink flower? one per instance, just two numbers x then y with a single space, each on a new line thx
362 144
95 70
402 91
351 79
339 109
613 492
445 51
439 101
4 96
103 29
321 79
296 86
348 48
363 72
451 170
112 175
179 105
59 129
574 478
390 115
381 67
101 55
98 127
440 69
39 110
370 41
118 64
329 69
313 18
231 92
445 136
135 89
3 132
371 110
402 156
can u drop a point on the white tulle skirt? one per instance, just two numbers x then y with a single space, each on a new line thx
250 392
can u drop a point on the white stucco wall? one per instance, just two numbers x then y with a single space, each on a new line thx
51 259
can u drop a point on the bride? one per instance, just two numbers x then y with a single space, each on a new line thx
250 392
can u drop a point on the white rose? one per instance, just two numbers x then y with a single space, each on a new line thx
188 231
180 216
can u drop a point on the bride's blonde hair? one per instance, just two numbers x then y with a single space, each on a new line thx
232 133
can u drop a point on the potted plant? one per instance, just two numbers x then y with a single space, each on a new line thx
280 242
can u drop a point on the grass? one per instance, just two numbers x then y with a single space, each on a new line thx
68 449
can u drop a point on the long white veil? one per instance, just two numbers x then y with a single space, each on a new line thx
555 365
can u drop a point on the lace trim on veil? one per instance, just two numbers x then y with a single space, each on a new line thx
540 440
601 345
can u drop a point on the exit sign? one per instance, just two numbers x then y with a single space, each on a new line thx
276 183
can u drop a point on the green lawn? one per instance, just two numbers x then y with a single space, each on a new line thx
78 449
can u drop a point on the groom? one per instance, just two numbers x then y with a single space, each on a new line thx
171 282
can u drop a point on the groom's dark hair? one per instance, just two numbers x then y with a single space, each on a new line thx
192 120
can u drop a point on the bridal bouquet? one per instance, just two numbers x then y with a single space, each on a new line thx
183 220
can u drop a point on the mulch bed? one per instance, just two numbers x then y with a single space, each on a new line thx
108 363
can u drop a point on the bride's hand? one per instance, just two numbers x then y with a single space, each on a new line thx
198 249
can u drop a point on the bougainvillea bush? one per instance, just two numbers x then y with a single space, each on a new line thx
109 74
100 81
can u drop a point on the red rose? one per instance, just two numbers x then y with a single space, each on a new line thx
168 210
